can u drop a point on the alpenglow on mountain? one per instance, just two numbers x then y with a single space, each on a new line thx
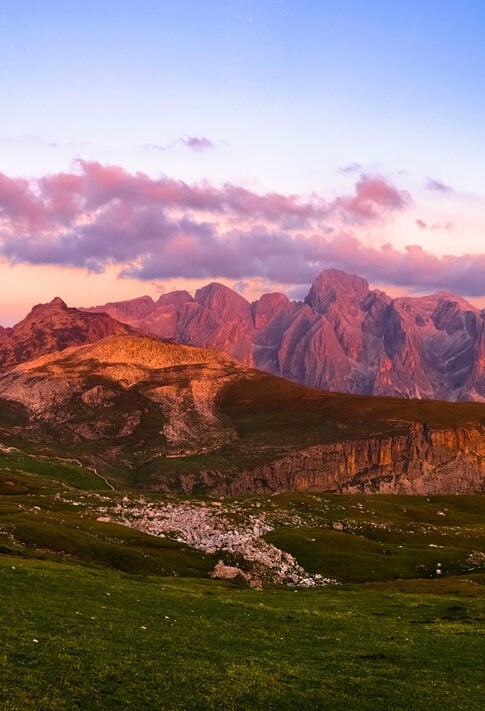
343 337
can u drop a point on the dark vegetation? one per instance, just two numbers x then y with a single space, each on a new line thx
274 411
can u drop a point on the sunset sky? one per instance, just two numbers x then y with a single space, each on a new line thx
153 145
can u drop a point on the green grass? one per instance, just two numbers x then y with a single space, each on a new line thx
66 472
108 641
350 538
383 537
60 537
123 620
36 523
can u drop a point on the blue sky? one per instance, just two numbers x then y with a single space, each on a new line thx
288 91
280 96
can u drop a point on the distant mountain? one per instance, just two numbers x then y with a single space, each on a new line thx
344 337
53 327
162 416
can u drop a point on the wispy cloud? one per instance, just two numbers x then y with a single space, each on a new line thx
448 226
438 186
197 143
194 143
351 168
41 142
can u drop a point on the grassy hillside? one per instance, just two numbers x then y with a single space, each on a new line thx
273 417
350 538
277 412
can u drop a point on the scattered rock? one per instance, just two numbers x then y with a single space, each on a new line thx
212 530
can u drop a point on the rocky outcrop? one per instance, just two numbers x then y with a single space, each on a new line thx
226 530
344 337
177 384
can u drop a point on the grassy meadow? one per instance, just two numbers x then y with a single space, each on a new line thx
98 616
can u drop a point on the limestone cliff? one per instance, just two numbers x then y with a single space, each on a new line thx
421 461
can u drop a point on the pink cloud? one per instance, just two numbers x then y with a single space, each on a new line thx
373 197
18 202
163 228
95 186
412 267
438 186
197 143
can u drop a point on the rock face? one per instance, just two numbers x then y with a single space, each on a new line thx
421 462
344 337
53 327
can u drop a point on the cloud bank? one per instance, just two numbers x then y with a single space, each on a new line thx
153 229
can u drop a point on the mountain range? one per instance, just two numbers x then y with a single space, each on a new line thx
154 414
343 337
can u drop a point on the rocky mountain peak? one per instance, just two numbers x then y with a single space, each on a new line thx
52 327
344 337
221 299
268 307
333 286
57 304
174 298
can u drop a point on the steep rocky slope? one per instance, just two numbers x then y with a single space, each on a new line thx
178 418
344 337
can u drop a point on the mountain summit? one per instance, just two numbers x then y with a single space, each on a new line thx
334 287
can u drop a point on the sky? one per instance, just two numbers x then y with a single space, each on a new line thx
152 145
